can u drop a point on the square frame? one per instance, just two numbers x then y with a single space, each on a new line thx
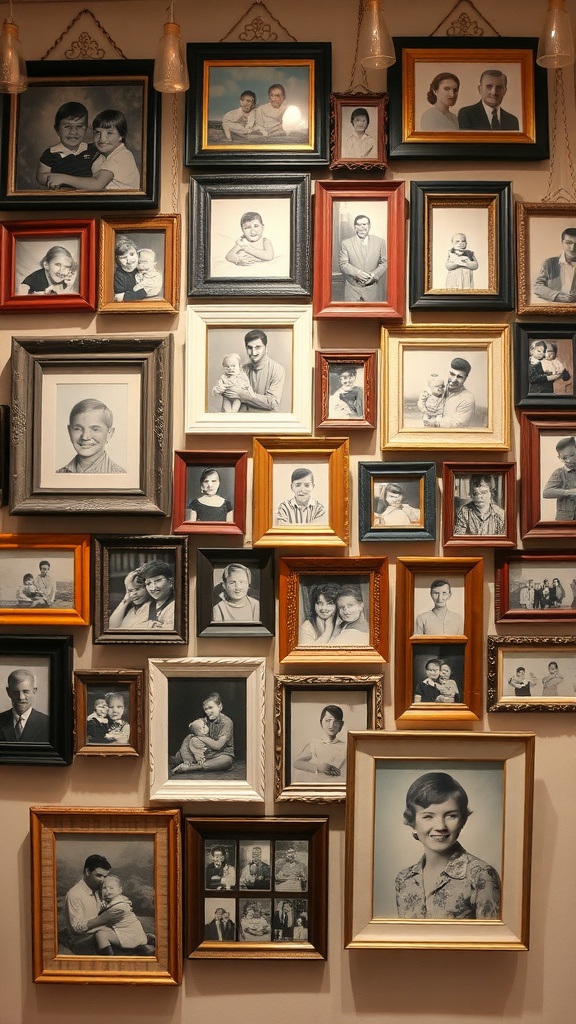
534 426
547 394
366 417
450 471
166 224
548 279
56 750
405 472
183 461
99 680
13 233
78 614
527 649
260 562
372 153
512 568
373 752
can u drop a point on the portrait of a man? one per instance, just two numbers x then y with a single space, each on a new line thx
488 114
445 391
291 865
220 919
362 261
254 864
259 377
22 722
560 485
556 280
440 619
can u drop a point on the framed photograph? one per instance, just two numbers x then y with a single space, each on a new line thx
234 592
44 579
535 587
142 592
139 268
345 390
462 98
108 712
358 131
129 859
83 134
461 245
220 754
396 501
301 492
438 681
35 700
312 717
479 504
544 365
282 862
90 433
258 104
359 229
546 240
531 673
333 610
548 474
396 781
47 265
4 452
209 492
447 386
247 368
249 234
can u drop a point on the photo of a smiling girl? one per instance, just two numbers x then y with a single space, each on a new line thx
47 270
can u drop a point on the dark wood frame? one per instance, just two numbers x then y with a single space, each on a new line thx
452 469
217 459
524 334
502 610
58 751
324 360
367 471
525 644
79 612
211 558
110 678
12 232
342 100
109 227
531 425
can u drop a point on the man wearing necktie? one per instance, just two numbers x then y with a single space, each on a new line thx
22 723
488 115
362 261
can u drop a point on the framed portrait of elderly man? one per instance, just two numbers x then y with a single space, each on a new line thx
535 587
548 474
531 673
358 131
35 700
544 365
234 592
546 261
47 265
479 504
44 579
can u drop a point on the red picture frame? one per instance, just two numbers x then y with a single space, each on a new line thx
22 245
506 470
185 460
534 426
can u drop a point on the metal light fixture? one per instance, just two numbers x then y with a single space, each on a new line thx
556 45
170 69
12 64
375 46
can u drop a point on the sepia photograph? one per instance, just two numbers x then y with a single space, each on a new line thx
531 673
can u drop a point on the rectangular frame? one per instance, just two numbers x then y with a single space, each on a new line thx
258 566
4 453
507 538
32 233
56 749
78 613
512 568
531 390
201 831
270 453
430 197
401 473
207 674
324 786
441 713
526 649
534 428
370 153
109 679
407 140
374 752
47 826
487 341
360 410
220 461
363 193
142 230
541 223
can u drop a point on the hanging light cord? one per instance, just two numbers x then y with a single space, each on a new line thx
364 81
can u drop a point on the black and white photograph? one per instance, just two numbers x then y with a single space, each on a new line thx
545 587
108 718
30 580
346 400
544 365
546 259
479 501
290 921
359 129
219 919
438 674
438 604
460 248
291 865
255 920
47 267
255 864
214 740
359 250
535 674
444 390
250 237
335 611
24 699
249 371
557 476
209 494
139 262
36 713
397 503
234 595
319 722
300 493
220 866
468 96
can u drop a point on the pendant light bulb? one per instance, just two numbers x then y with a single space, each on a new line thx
556 45
170 68
13 77
375 46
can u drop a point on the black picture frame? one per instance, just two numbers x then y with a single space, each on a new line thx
564 337
260 564
422 475
57 652
83 75
495 197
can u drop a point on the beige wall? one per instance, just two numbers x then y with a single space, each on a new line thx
537 987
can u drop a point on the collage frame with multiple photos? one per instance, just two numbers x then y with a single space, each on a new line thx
92 684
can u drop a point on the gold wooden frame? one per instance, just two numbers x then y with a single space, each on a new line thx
525 212
167 223
109 679
79 613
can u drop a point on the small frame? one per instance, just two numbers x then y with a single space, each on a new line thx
278 338
44 579
280 119
440 89
139 269
249 234
47 265
142 592
333 610
447 386
396 501
75 847
548 473
358 131
535 587
227 695
122 386
531 673
4 452
108 712
200 479
234 592
546 239
544 365
272 880
345 390
438 642
479 504
491 773
313 716
466 260
36 674
359 247
301 492
36 175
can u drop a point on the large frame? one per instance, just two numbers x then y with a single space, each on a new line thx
479 419
47 735
49 378
179 687
410 515
496 774
355 148
490 520
534 587
523 132
279 890
548 507
218 264
312 470
96 732
551 658
143 846
122 287
33 599
191 468
27 131
477 273
223 610
539 228
66 281
345 390
341 704
294 135
339 289
544 382
215 331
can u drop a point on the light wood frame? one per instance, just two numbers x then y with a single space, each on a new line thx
169 302
109 679
451 470
527 216
41 546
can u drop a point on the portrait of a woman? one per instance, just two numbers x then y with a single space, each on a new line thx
442 96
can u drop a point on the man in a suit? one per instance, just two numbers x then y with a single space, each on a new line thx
362 260
215 928
487 115
22 723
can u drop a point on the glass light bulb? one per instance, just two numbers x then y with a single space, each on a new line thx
556 45
375 46
12 65
170 69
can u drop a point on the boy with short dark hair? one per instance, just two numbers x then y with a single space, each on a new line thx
71 155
